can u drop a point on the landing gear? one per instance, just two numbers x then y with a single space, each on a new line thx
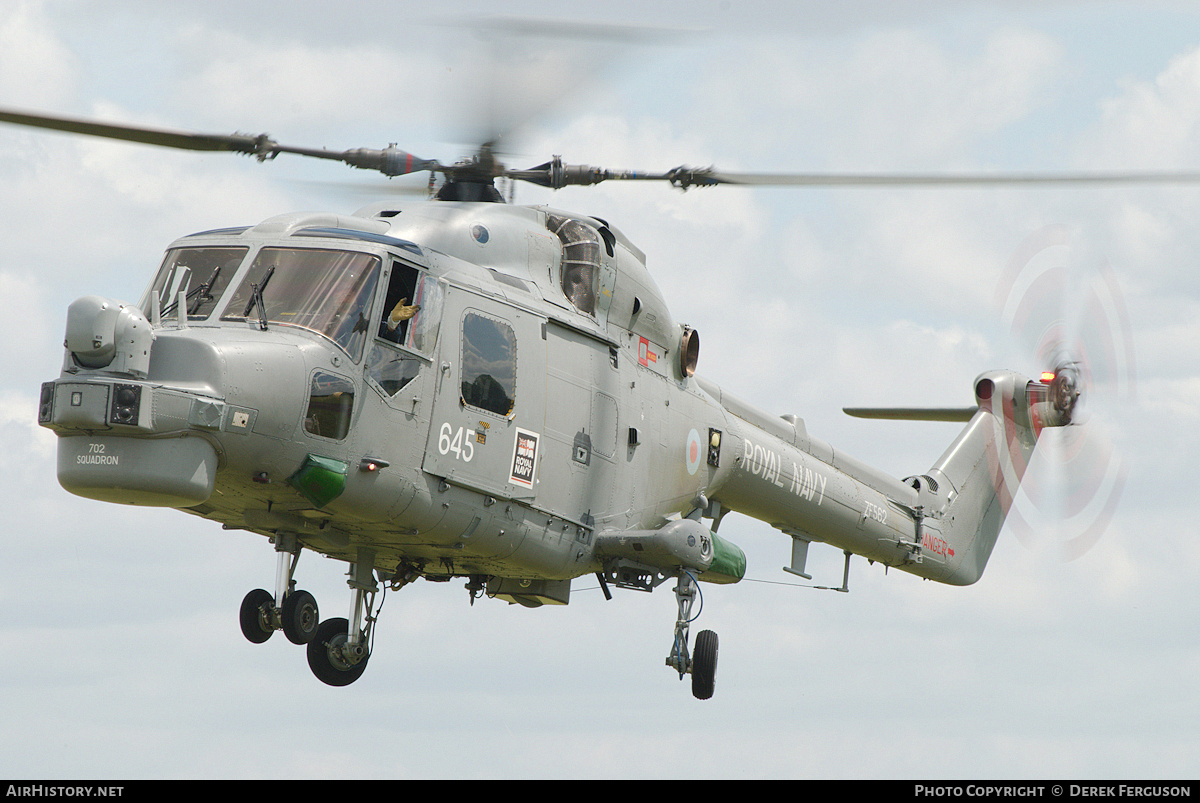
337 649
703 665
294 612
338 653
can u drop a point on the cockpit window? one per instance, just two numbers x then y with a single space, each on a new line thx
201 274
422 334
326 291
400 304
408 322
580 261
392 369
330 404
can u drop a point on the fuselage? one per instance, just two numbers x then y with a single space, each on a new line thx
530 402
460 388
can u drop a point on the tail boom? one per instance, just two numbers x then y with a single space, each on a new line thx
941 525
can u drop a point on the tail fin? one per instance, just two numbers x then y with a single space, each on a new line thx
966 495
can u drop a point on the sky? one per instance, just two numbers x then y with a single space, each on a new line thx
1075 656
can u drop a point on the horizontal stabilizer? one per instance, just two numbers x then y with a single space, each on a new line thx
960 414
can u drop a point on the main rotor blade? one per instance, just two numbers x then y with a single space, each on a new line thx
556 174
390 161
685 177
238 143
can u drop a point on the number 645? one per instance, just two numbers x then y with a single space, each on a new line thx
451 440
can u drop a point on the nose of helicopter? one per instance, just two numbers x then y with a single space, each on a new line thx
156 435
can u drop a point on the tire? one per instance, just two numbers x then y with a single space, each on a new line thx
255 616
325 658
704 665
299 617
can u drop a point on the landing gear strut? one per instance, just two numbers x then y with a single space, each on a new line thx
703 664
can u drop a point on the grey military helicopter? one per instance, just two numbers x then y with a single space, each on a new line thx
466 388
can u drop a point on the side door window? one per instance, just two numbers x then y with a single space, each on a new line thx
489 364
408 322
400 304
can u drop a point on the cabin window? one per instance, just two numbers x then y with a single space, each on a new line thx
330 403
325 291
201 274
489 364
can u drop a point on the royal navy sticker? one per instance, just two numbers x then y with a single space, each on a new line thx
524 461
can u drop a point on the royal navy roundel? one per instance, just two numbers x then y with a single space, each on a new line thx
693 451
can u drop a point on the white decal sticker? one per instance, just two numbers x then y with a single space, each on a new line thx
524 462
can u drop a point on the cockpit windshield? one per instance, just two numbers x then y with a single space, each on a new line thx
327 291
200 274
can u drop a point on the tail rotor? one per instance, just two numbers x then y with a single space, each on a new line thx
1078 329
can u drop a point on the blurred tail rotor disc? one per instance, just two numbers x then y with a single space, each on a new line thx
1074 320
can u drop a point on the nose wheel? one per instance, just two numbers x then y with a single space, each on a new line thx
299 617
257 616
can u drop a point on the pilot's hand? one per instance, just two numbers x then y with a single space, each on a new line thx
402 312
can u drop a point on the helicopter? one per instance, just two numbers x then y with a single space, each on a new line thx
466 388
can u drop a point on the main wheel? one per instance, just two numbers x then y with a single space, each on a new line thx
299 617
704 665
325 657
255 616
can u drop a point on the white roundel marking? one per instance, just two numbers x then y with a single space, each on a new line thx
693 451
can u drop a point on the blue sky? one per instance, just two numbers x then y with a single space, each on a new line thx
124 655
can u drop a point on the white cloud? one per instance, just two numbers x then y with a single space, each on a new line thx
37 70
891 93
1156 123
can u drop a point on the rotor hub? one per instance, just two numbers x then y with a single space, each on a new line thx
1065 390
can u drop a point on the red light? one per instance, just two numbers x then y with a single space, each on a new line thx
1047 376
